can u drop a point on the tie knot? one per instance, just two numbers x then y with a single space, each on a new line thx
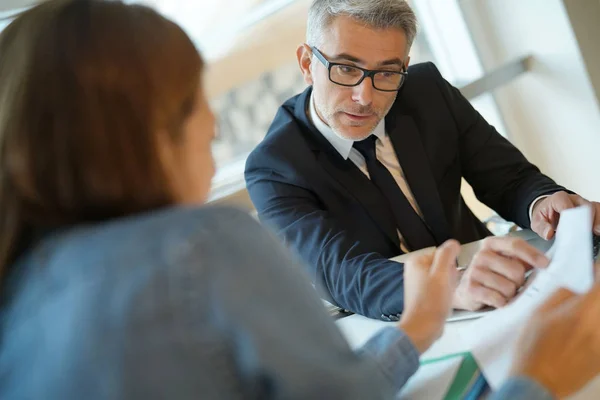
366 147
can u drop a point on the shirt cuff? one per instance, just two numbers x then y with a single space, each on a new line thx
533 203
394 354
522 388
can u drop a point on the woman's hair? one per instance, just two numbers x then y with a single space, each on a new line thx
86 87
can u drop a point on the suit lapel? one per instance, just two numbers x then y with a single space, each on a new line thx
414 161
347 174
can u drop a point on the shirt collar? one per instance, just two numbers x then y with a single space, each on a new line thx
342 145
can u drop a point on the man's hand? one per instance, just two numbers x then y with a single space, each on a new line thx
429 284
496 273
546 213
560 346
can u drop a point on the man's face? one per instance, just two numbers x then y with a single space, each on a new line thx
354 112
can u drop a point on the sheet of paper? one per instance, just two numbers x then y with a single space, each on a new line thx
431 381
492 338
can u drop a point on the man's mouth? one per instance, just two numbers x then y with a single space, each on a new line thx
358 117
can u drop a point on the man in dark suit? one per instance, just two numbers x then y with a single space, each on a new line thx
367 163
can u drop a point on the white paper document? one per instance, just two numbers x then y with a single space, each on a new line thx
492 339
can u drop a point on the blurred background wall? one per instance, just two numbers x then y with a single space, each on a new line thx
532 68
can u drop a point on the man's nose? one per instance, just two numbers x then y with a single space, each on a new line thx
363 93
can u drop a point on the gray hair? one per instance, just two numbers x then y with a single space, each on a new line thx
379 14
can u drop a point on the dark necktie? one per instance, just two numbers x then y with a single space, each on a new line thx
413 229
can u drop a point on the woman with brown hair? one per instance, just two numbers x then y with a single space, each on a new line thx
114 284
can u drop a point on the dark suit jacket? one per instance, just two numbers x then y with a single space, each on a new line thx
334 217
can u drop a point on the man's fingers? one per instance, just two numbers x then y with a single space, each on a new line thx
561 201
511 268
578 200
543 227
558 203
517 248
491 280
545 218
487 296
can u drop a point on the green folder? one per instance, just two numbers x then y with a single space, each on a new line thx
466 376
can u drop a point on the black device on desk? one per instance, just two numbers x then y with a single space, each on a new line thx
595 246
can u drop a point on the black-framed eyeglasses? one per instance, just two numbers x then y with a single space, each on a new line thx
350 75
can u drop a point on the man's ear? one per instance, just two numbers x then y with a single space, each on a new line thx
304 55
407 62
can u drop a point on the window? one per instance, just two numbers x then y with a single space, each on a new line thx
452 49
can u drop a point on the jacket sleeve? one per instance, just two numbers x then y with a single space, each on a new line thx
284 344
499 173
353 276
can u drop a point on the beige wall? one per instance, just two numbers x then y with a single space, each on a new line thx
551 113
